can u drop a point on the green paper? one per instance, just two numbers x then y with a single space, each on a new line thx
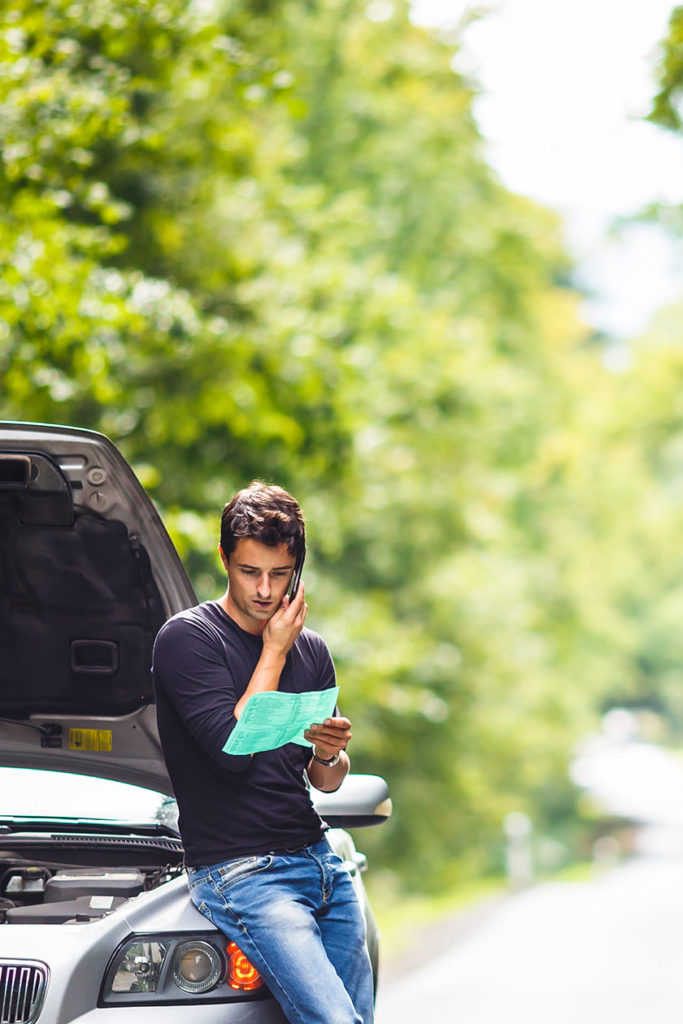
271 719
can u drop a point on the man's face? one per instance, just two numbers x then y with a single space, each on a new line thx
258 578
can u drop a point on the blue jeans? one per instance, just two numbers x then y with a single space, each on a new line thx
297 918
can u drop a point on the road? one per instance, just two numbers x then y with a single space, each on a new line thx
606 951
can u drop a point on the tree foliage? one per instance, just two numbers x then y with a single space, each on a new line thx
667 107
255 239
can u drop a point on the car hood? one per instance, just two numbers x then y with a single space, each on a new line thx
88 574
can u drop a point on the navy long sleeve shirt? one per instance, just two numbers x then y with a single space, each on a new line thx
231 806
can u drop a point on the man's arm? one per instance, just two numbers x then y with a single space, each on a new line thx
330 739
278 637
190 675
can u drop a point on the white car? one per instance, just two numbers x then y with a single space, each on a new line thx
95 919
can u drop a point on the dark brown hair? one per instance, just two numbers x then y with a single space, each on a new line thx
266 513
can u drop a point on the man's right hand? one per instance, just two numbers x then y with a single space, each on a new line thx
286 623
279 634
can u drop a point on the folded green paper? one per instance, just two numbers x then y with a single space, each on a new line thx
271 719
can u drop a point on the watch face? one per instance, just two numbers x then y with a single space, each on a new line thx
328 764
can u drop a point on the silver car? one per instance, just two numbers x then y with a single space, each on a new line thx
96 922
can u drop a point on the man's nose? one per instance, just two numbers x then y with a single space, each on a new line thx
264 585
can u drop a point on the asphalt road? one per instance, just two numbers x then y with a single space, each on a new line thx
607 951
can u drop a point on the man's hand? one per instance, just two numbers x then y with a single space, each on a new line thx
279 634
286 623
330 737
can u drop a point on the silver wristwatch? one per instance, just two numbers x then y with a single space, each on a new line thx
326 764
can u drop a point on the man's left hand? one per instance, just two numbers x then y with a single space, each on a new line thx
329 737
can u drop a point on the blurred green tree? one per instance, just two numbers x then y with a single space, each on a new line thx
255 239
667 107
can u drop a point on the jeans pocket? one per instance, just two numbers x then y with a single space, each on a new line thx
242 867
331 858
197 877
204 909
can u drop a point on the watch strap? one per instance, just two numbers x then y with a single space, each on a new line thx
326 764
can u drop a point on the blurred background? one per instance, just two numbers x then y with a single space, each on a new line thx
420 266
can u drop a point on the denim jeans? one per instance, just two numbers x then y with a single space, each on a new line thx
297 918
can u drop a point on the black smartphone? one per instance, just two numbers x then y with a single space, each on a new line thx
296 576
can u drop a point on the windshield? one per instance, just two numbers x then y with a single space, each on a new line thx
31 793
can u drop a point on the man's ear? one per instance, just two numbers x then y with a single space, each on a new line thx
223 558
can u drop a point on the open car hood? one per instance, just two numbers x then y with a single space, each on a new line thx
88 574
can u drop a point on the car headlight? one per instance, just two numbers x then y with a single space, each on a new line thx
138 967
197 966
179 969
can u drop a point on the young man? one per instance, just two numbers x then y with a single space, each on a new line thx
259 866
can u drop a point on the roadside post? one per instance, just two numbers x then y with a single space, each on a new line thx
518 853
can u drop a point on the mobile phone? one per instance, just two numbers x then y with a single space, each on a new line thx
296 575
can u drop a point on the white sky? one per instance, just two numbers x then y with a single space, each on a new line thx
565 84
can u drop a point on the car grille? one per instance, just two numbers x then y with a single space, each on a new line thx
22 987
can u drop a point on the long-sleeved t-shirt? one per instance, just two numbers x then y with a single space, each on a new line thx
231 806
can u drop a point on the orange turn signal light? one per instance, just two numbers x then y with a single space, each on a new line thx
241 974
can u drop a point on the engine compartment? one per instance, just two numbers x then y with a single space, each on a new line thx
34 895
75 879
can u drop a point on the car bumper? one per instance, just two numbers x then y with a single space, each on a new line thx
262 1012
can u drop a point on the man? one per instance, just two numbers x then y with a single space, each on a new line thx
259 866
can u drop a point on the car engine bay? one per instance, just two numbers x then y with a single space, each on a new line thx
59 876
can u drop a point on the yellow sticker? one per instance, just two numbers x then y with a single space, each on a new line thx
90 739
